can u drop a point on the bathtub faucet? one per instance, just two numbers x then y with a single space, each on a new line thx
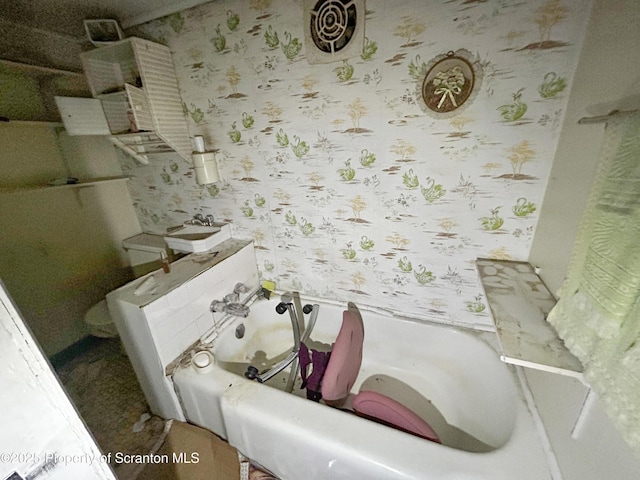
231 303
235 309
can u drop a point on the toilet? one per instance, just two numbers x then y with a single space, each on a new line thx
144 251
98 321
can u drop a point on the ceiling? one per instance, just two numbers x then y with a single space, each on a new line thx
65 16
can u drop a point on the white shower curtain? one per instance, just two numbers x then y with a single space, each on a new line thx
598 314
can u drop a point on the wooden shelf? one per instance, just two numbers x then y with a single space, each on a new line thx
19 66
82 184
32 123
519 303
38 85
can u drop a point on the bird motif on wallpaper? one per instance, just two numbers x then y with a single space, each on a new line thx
515 110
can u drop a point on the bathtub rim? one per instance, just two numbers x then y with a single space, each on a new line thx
525 444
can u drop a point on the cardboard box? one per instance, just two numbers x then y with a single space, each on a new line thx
192 453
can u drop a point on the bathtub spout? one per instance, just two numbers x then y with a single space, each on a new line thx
237 310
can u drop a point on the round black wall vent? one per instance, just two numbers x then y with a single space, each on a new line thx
332 24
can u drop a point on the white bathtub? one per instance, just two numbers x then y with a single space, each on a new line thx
451 378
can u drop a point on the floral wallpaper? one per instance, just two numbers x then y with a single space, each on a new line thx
348 188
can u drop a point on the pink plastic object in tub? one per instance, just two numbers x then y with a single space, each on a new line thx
386 410
342 371
346 358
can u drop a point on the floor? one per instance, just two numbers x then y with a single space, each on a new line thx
103 386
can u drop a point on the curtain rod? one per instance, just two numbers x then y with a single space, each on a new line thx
605 118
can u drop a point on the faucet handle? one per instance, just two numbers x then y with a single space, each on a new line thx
217 306
231 298
240 288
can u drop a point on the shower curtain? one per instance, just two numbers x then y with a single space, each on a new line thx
598 314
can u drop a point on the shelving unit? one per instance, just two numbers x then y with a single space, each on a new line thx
519 303
136 100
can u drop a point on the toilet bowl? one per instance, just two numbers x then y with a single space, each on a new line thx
144 252
99 321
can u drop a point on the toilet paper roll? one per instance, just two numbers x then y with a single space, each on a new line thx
206 168
198 142
202 158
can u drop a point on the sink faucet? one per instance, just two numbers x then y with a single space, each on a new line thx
199 219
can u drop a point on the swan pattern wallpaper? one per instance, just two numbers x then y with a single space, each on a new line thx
350 188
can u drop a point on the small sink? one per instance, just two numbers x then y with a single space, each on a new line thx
197 238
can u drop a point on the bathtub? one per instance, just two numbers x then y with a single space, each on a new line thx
452 378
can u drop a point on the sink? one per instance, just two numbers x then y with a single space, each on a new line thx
197 238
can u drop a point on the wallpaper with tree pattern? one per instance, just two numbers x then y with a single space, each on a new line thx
348 188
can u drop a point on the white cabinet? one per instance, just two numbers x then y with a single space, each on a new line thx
136 100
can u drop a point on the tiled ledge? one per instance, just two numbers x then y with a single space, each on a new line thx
519 303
